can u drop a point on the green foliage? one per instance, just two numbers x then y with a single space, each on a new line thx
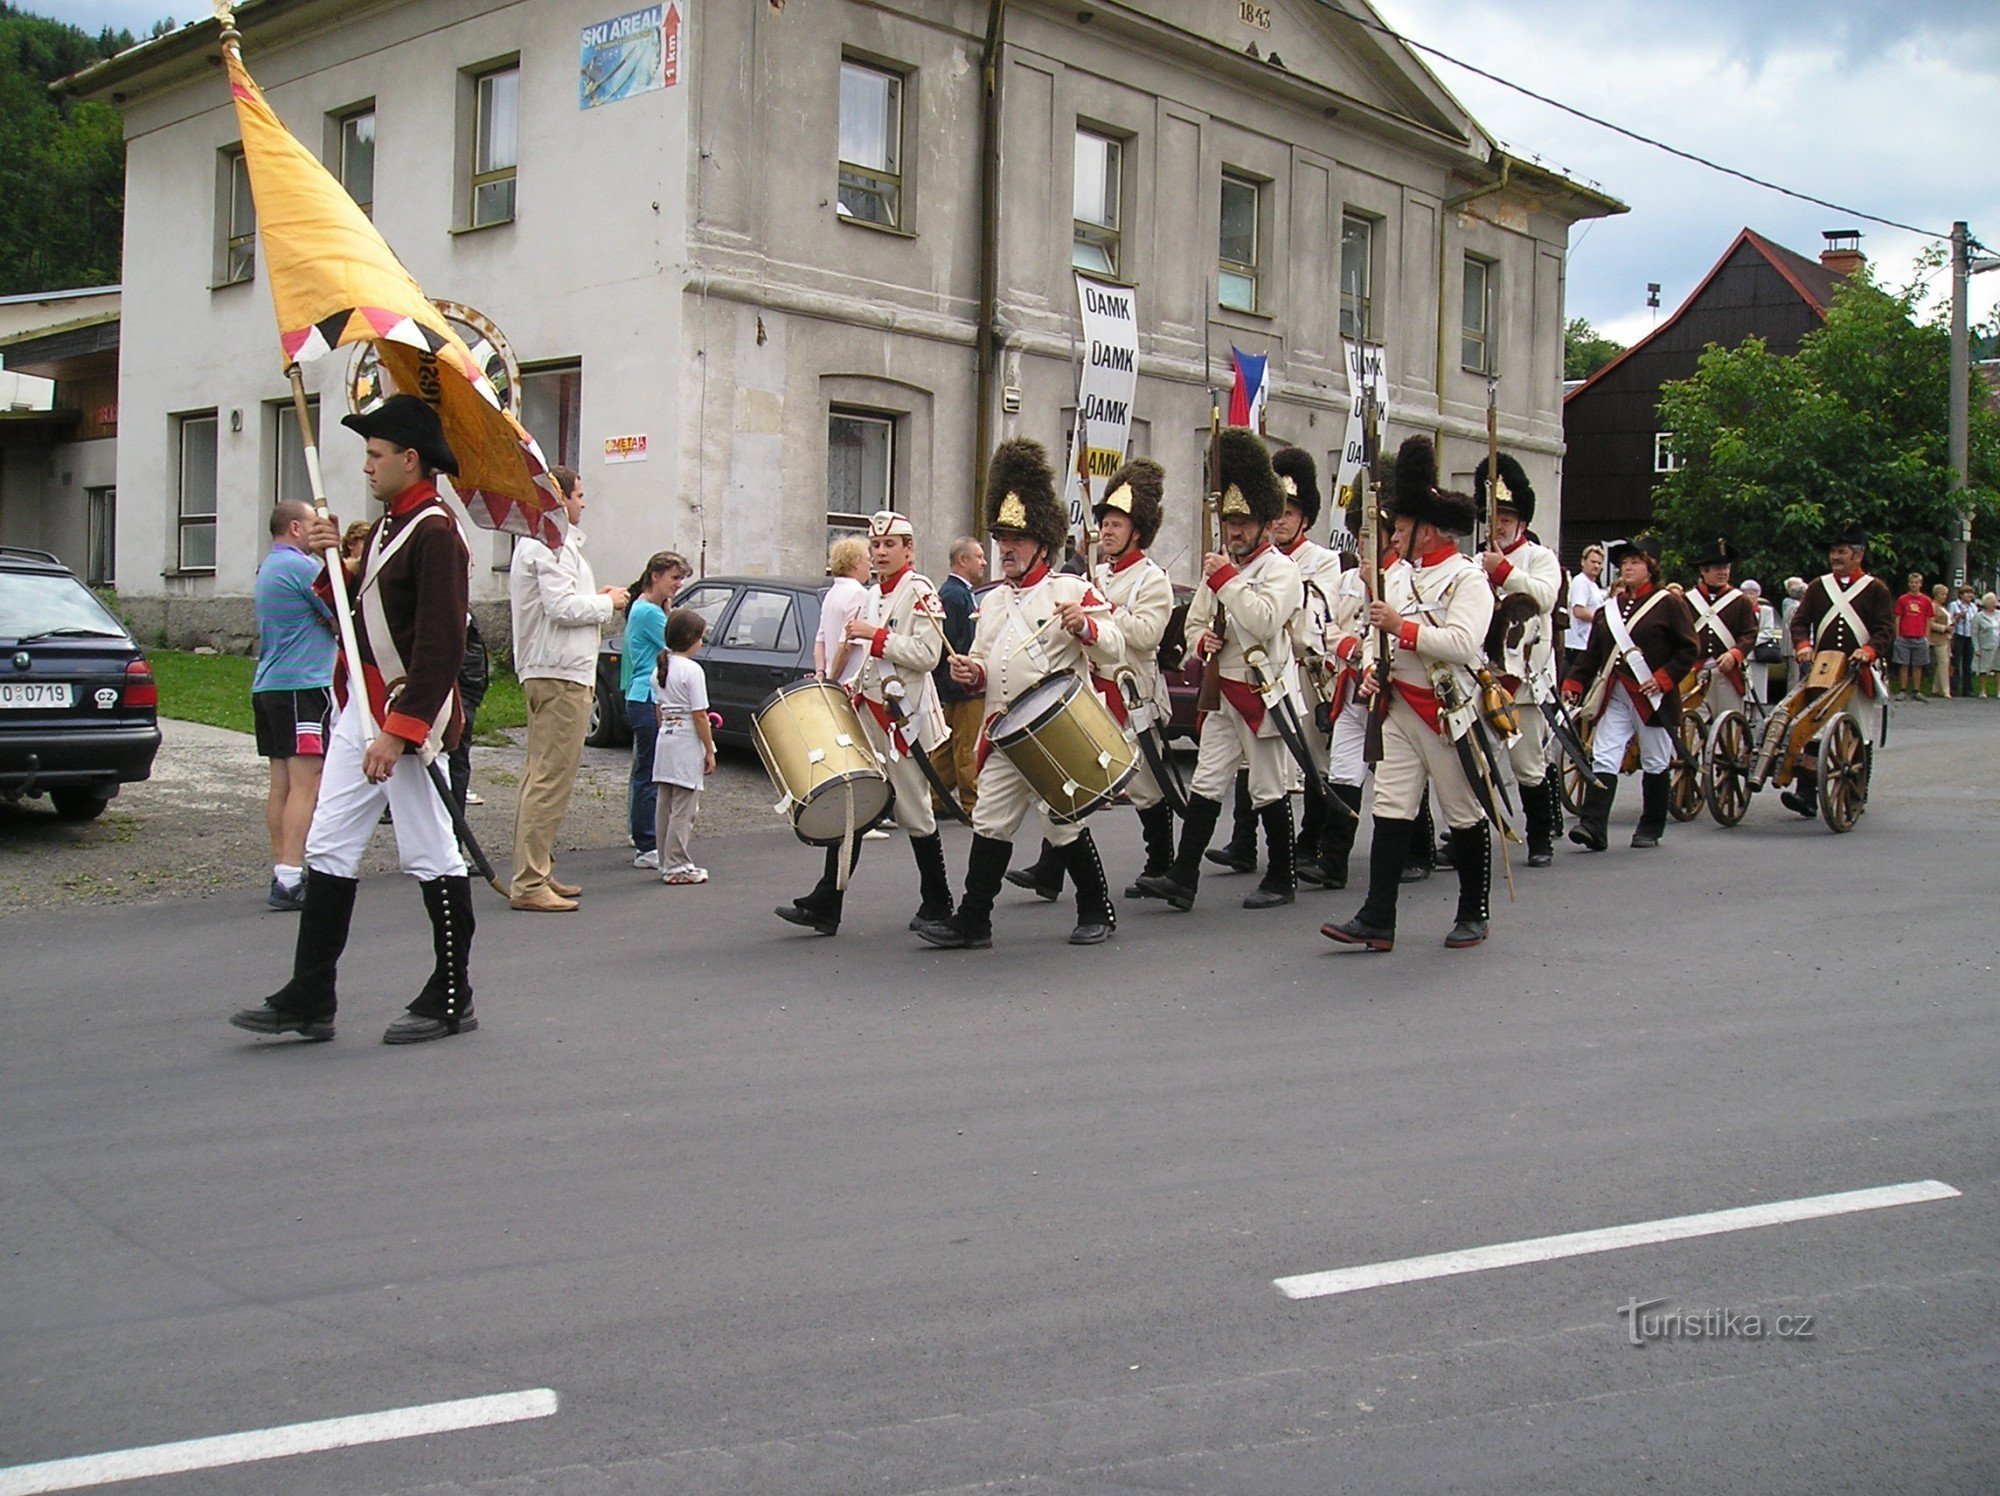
1776 452
62 164
1585 350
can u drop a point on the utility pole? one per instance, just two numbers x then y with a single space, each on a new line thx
1963 268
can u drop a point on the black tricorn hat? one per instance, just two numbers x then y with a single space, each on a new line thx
1718 552
1021 494
1516 492
1639 545
406 421
1415 494
1249 486
1298 478
1136 491
1849 533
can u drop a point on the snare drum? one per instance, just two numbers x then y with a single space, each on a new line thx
1067 745
811 744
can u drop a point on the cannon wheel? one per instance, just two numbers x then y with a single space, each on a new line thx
1684 799
1573 782
1726 772
1843 774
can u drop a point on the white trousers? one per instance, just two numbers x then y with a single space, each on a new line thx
1348 763
349 808
1227 744
1414 757
1530 752
913 809
1005 798
1616 728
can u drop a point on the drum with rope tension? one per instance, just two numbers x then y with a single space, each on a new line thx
1067 745
829 781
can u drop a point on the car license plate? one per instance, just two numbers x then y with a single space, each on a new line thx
35 693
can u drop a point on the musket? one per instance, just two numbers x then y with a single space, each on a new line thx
1370 481
1209 698
1279 704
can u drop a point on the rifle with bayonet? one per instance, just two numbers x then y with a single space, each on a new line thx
1369 480
1209 698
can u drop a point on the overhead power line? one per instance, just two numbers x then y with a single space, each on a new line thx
1617 129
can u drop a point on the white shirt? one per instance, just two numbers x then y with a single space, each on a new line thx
1585 594
843 600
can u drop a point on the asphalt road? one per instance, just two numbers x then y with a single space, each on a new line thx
770 1213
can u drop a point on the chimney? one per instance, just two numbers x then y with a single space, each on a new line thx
1842 254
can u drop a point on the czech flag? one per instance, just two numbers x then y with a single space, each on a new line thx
1246 400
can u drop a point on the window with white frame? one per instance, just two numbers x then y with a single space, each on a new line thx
1099 172
496 132
1475 347
354 155
289 478
1236 279
860 469
1357 278
1665 458
195 499
235 219
871 145
101 536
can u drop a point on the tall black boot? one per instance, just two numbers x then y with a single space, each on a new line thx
1655 793
305 1005
1281 877
1240 855
1178 883
1422 851
1538 808
1590 831
1375 926
1044 876
444 1007
819 911
1095 918
971 928
1472 855
1553 781
1156 825
933 881
1313 813
1325 865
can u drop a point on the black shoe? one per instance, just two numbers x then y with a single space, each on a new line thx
1167 886
1541 858
1268 898
1025 877
417 1029
1416 872
1229 857
1092 934
811 919
1467 932
1799 804
1644 838
288 899
947 936
270 1020
1136 890
1354 932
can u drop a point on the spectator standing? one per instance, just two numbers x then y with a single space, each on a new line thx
1586 596
847 562
1795 590
475 673
957 761
291 695
685 754
558 612
1912 651
645 637
1986 646
1962 614
1757 672
1940 642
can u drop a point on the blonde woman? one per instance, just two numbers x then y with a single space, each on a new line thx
1986 647
847 564
1940 642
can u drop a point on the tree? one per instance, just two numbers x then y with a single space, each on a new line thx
1585 350
1776 452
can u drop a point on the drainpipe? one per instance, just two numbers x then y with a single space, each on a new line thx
987 338
1451 205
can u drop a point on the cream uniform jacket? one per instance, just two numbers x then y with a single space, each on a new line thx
1532 570
1142 602
1451 605
908 643
1260 602
1018 641
1319 575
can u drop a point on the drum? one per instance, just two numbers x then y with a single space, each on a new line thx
1067 745
811 744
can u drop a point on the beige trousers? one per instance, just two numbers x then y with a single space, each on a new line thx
558 717
1412 757
957 761
1227 744
673 821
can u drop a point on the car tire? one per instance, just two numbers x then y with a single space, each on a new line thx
78 805
608 728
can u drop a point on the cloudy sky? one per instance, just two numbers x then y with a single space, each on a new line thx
1884 106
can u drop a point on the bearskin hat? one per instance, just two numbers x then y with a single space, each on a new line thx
1249 486
1021 494
1516 492
1718 552
1298 477
1136 490
1415 494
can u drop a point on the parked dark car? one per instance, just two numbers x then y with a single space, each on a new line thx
79 710
760 637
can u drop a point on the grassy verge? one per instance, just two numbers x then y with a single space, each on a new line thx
215 689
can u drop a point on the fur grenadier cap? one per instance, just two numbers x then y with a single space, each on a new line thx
1021 494
1718 552
1516 492
1298 476
1415 494
1249 486
1136 491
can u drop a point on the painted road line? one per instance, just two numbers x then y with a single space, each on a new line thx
1610 1239
274 1443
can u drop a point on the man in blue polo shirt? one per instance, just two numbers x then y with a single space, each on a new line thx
291 695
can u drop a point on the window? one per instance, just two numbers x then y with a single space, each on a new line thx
1357 278
235 220
1236 285
764 620
1665 458
101 536
871 145
860 466
496 129
552 410
289 479
1476 333
354 157
1099 161
708 601
197 435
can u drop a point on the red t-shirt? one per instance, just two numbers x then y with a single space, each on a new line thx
1913 615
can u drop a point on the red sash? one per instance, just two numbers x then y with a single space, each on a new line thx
1114 699
1422 700
1245 698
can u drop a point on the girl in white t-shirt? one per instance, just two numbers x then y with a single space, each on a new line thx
684 753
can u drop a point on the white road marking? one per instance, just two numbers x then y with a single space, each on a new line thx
1609 1239
274 1443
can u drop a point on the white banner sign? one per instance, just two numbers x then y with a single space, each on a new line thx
1367 369
1104 394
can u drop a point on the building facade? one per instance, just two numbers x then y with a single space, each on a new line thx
59 427
819 268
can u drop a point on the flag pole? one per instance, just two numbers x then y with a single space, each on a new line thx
336 567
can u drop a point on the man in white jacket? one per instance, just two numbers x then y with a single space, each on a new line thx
558 611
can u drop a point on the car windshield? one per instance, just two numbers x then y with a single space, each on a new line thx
33 605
